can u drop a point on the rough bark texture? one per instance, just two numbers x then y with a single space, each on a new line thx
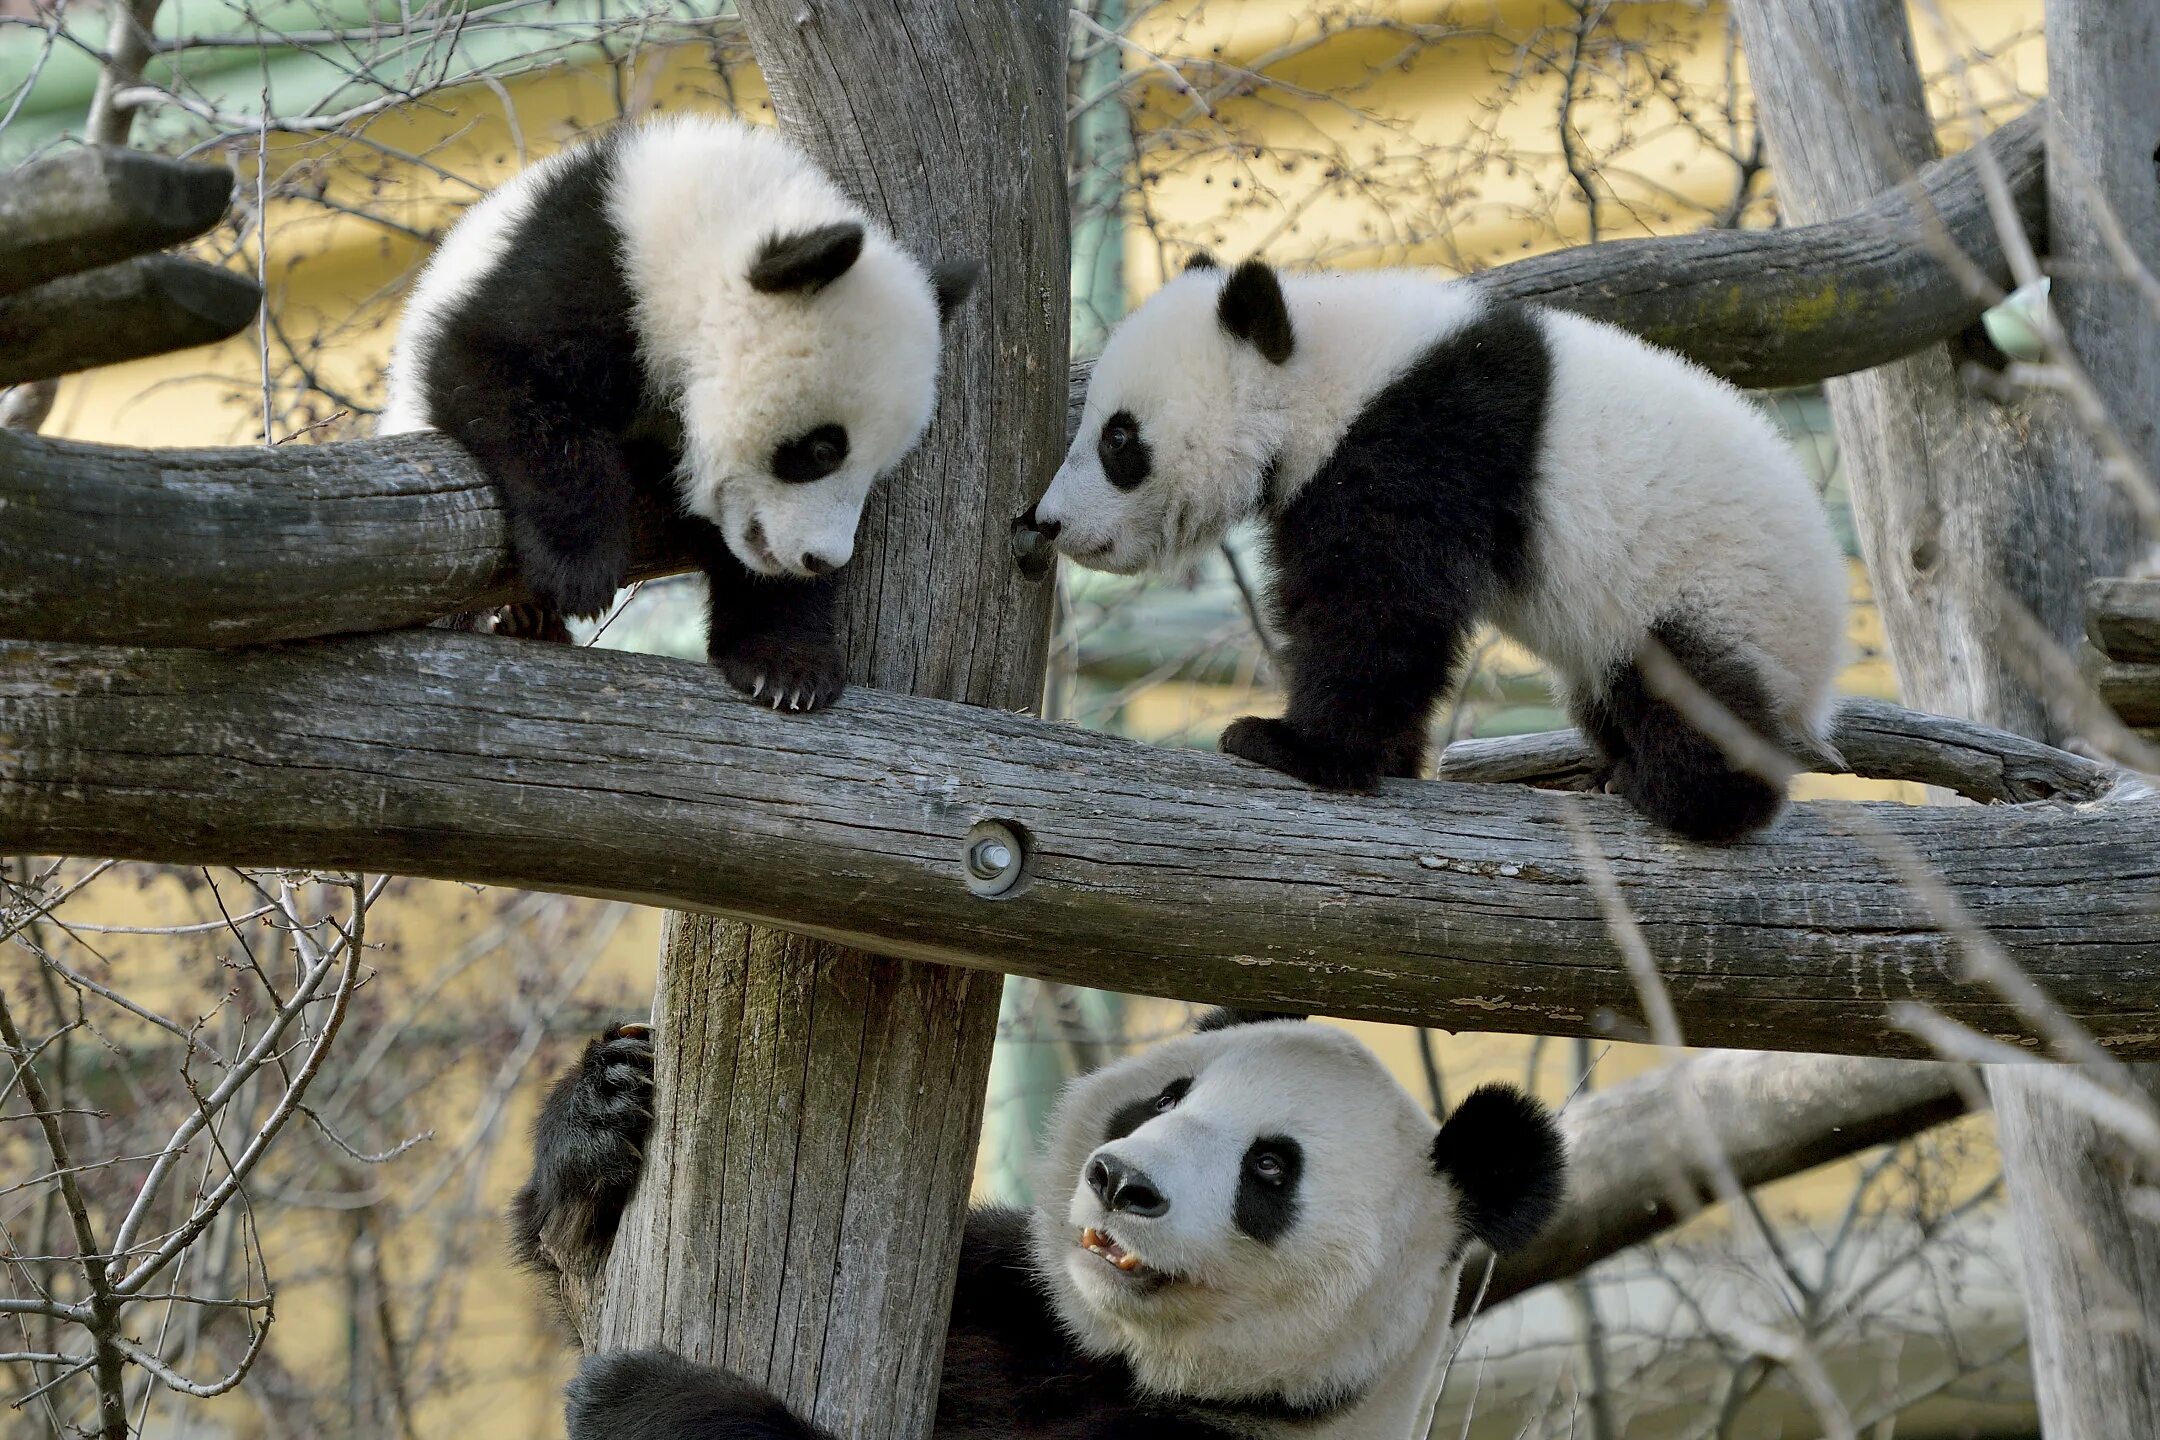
1958 509
819 1105
1160 871
2123 618
147 306
1632 1172
93 207
1879 741
2132 691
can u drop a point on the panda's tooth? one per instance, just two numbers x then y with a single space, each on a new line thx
1127 1261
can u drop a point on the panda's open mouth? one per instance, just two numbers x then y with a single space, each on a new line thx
1095 1242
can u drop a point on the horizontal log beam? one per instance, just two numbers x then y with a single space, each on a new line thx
2123 618
1633 1167
1879 741
93 207
149 306
2132 691
1163 872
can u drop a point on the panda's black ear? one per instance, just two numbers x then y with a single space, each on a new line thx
954 281
1503 1152
1201 260
1223 1017
1252 308
808 261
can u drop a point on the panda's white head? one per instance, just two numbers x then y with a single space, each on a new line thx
797 341
1260 1213
1184 416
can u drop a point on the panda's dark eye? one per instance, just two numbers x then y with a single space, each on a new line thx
1126 460
811 455
1171 1095
1269 1166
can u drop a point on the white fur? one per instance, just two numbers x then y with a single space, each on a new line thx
1350 1299
1661 490
694 198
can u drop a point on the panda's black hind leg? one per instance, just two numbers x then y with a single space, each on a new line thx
1662 763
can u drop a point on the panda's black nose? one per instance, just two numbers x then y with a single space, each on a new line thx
816 564
1124 1189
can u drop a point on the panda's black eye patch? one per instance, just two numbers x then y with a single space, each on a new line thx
1125 457
1267 1192
812 455
1134 1113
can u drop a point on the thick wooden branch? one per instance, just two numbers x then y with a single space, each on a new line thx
95 206
2123 618
2131 691
147 306
1878 740
1159 871
1632 1164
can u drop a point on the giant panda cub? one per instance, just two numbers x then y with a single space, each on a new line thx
1244 1233
1424 457
689 304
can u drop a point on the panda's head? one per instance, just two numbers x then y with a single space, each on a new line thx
1260 1212
795 339
1182 421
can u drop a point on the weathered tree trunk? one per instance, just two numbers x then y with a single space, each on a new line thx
1958 510
818 1106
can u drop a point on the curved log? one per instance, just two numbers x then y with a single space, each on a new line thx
1159 871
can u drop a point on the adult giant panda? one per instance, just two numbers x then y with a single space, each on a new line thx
1425 457
688 303
1244 1233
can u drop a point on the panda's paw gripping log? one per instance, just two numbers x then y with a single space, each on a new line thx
578 582
615 1083
1279 746
785 672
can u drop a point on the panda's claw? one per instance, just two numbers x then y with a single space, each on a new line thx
784 672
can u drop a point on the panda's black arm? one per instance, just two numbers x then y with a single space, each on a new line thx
588 1150
773 639
656 1395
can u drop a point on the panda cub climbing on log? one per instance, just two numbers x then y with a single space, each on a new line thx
688 305
1424 457
1251 1232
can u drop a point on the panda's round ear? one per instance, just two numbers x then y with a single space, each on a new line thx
1224 1017
807 261
1252 308
1504 1155
954 281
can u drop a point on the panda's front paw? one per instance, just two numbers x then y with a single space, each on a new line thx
786 672
1278 745
588 1150
615 1086
578 581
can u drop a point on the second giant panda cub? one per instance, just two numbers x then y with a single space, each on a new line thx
1247 1233
690 304
1425 457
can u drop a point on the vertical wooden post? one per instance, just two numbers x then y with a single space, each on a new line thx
818 1107
1960 503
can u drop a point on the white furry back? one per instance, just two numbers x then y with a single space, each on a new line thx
1664 492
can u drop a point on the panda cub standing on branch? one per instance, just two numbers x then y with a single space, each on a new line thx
689 305
1425 457
1247 1233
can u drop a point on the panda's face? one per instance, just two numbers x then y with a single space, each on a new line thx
1249 1212
1173 443
821 390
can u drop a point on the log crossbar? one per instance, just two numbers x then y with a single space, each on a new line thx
1157 871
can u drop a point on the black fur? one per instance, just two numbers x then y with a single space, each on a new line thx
1134 1113
953 281
1384 561
536 372
1252 308
807 262
1126 458
588 1150
1223 1017
1504 1154
1011 1371
1665 765
1267 1205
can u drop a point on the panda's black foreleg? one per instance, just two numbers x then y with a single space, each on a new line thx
1663 762
774 640
1362 690
657 1395
588 1151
